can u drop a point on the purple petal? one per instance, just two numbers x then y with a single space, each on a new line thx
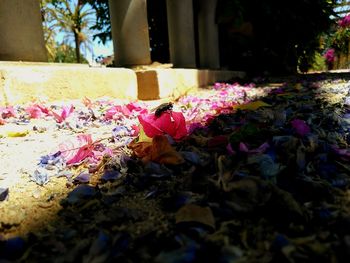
110 175
40 176
4 194
81 193
300 127
83 177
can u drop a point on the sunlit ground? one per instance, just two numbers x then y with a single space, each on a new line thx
32 208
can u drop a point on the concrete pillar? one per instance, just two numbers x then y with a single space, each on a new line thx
181 33
21 31
208 36
130 32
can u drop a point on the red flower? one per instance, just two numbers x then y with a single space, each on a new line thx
170 122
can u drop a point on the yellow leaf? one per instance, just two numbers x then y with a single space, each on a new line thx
17 133
252 105
298 86
143 137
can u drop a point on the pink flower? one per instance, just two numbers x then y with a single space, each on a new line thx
345 21
329 55
170 122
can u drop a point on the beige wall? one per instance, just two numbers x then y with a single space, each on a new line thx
21 33
130 32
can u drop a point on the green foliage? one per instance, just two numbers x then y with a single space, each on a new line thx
66 54
71 17
340 39
318 63
102 24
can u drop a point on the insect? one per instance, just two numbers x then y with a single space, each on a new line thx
163 108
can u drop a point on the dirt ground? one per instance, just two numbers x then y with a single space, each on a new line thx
286 204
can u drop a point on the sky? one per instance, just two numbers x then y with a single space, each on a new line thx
100 49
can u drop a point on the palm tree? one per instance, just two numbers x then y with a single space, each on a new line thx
73 18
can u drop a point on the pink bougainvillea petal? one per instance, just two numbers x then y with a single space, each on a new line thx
343 153
37 111
115 110
34 112
87 102
99 151
261 149
243 147
43 109
300 127
65 113
7 112
229 149
133 106
76 150
80 155
171 123
148 123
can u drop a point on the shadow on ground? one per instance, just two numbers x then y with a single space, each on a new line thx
263 185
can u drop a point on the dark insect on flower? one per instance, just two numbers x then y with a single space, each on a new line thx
163 108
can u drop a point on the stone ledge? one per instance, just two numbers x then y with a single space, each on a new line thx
24 82
163 83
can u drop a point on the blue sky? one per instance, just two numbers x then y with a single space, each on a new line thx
100 49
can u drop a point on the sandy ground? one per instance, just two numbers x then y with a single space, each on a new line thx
29 206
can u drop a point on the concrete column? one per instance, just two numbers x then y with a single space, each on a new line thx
181 33
130 32
21 31
208 36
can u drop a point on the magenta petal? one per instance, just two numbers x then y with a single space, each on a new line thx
171 123
110 113
34 112
76 150
344 153
229 149
66 111
7 112
243 147
300 127
262 148
148 123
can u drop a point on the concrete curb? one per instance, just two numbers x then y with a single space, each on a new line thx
164 83
24 82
